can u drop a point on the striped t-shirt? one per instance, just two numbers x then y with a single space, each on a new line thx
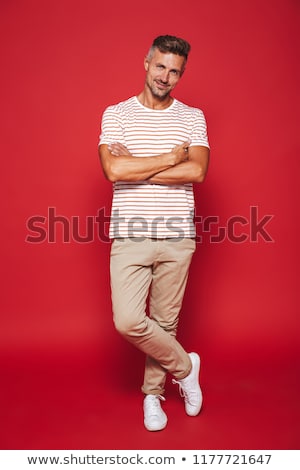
140 209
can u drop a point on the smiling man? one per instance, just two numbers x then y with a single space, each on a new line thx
153 148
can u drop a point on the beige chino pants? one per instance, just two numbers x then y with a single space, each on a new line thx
158 269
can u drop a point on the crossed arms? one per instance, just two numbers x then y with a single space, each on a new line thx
182 165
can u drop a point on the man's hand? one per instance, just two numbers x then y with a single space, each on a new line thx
118 149
181 153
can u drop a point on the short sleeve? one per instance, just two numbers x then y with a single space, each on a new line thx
111 128
199 130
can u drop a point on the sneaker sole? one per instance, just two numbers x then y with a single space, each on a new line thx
153 429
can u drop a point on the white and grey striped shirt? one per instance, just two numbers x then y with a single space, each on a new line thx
140 209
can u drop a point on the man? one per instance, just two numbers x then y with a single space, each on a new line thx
153 148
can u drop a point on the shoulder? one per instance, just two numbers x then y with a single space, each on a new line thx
187 109
120 107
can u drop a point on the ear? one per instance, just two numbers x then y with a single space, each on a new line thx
146 63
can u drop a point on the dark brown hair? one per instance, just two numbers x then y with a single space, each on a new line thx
170 44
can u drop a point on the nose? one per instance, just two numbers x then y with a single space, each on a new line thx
164 76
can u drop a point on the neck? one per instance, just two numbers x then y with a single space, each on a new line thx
148 100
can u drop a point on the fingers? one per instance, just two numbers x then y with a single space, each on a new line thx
184 146
182 152
115 148
118 149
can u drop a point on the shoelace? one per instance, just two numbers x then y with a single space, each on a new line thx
183 393
153 403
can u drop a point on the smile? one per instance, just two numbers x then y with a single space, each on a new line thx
161 85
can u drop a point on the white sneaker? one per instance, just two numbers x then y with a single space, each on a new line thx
155 418
189 387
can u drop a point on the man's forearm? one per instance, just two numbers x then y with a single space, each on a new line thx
191 171
119 165
186 172
125 168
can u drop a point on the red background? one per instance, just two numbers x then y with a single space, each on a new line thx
69 381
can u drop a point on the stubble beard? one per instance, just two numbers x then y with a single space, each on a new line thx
157 93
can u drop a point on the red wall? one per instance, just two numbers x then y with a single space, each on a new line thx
62 64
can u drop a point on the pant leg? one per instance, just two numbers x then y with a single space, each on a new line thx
131 276
169 278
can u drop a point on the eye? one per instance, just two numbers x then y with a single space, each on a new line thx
174 72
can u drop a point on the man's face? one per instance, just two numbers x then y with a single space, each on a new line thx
163 72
